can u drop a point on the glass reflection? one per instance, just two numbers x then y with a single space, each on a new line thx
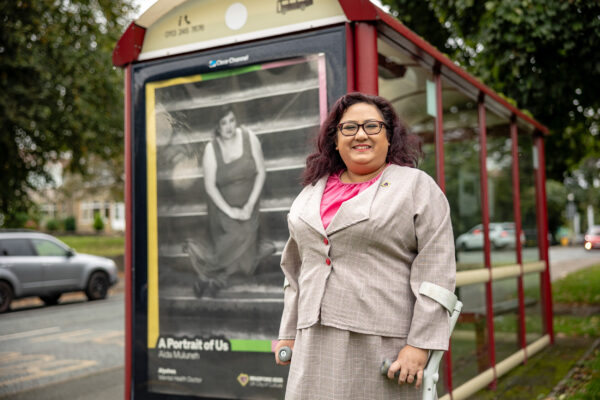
470 339
527 188
462 172
502 231
506 317
534 327
404 83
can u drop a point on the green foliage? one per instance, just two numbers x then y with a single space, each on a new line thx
556 200
581 287
61 97
570 325
581 184
70 224
98 222
544 54
585 383
52 225
106 246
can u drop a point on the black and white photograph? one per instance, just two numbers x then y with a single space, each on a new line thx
229 150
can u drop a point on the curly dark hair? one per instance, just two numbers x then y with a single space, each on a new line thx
404 149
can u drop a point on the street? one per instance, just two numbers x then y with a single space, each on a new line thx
75 342
75 350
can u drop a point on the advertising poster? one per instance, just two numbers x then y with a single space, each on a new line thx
224 153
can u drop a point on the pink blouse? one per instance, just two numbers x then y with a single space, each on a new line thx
336 192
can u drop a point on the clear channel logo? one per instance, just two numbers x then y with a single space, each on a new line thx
227 61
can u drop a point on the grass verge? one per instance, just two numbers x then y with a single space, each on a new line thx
568 369
106 246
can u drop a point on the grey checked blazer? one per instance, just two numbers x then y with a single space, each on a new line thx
363 272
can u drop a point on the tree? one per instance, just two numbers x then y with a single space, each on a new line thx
98 222
61 97
541 53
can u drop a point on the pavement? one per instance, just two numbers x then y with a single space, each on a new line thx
565 260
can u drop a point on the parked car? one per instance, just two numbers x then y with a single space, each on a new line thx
36 264
591 240
502 235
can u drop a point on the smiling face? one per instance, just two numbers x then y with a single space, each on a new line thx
227 125
364 155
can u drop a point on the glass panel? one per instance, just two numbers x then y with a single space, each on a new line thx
528 204
463 189
534 327
16 247
500 190
405 84
470 339
47 248
506 317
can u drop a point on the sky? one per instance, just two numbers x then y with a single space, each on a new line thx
143 5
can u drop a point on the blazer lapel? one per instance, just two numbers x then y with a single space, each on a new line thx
311 211
355 210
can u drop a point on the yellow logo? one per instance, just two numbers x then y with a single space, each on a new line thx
243 379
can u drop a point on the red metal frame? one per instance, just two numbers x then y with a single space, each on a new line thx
485 216
128 234
129 46
447 63
362 75
359 10
439 131
441 181
518 229
365 58
542 222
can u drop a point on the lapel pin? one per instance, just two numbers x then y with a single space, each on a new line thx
385 184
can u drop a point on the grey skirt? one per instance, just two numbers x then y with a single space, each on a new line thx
331 363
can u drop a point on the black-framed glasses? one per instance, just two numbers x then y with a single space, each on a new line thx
351 128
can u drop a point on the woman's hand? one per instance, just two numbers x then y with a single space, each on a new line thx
410 362
235 213
285 342
246 211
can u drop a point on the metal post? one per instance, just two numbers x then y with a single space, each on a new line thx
518 229
439 129
485 216
542 225
365 56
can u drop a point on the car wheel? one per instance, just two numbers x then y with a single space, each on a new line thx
51 299
97 286
6 296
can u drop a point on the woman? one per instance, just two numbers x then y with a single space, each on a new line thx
365 232
234 175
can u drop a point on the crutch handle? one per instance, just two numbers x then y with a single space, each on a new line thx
285 354
385 366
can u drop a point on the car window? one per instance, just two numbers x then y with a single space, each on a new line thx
16 247
47 248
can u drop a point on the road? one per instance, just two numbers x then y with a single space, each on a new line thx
43 348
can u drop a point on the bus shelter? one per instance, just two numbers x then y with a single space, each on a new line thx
277 66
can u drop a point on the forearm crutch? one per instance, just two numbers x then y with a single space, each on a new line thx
451 303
